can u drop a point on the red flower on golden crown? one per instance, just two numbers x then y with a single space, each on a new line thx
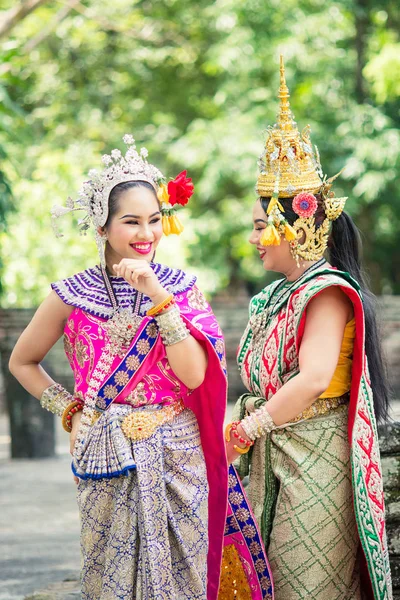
305 205
180 189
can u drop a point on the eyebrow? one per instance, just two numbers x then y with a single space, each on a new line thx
138 217
259 221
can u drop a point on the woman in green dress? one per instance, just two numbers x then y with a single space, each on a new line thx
310 359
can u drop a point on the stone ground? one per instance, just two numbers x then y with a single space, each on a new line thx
39 524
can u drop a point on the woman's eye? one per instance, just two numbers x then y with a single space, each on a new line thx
155 220
131 222
259 228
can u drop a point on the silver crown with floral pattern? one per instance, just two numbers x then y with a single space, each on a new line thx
93 195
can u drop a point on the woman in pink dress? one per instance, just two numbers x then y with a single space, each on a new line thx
146 415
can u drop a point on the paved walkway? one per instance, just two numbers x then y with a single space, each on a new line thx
39 524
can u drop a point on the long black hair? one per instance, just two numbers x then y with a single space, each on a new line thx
344 253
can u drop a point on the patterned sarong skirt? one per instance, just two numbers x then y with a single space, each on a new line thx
301 492
144 534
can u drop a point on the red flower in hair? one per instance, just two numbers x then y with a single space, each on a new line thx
305 205
180 189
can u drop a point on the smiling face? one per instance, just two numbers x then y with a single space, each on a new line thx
274 258
135 228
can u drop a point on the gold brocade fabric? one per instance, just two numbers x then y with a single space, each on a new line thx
314 541
233 584
145 535
321 407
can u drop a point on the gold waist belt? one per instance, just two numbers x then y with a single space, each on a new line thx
141 424
320 407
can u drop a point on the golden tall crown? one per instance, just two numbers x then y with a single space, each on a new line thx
288 165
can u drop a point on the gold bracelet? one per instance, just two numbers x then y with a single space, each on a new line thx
237 449
156 309
259 425
241 450
68 413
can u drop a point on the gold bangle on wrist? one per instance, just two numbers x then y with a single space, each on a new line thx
160 306
68 413
241 450
232 427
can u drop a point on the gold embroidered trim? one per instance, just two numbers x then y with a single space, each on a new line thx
320 407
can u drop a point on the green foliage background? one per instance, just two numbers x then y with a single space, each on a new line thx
196 83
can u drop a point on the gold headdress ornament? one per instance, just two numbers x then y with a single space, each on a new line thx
290 168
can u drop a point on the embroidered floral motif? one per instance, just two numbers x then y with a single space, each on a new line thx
259 565
242 514
100 404
68 348
235 498
121 378
255 548
152 330
81 353
220 346
265 584
231 481
196 299
249 531
133 363
138 396
110 392
143 346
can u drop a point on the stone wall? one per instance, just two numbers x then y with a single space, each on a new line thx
232 315
389 442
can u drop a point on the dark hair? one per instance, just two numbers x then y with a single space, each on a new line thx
345 249
117 192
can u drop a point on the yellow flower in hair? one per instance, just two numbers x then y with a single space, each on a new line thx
290 233
270 236
176 225
166 224
162 194
272 203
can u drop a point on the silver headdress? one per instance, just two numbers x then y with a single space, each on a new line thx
93 195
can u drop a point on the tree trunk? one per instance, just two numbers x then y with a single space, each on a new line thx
362 20
12 17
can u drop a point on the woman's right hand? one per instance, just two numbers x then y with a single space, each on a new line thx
76 421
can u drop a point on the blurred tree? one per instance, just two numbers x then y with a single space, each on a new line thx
10 18
196 82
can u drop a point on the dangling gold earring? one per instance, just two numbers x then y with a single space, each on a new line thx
293 251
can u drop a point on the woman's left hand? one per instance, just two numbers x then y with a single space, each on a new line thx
140 275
